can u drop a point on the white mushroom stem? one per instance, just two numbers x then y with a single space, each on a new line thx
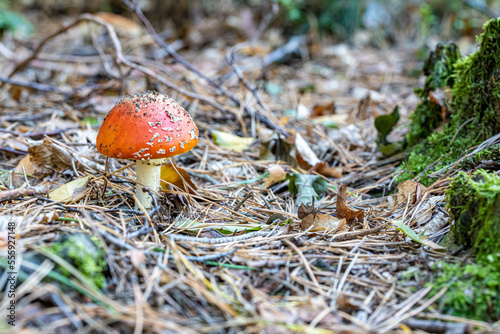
148 173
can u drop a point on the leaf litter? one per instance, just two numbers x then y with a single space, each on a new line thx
269 226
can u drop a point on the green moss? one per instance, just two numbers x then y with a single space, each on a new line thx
439 69
475 82
84 253
476 90
490 154
474 203
473 290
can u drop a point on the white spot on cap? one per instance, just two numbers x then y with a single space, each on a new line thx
183 143
167 138
138 153
167 129
172 149
173 118
192 132
161 151
154 136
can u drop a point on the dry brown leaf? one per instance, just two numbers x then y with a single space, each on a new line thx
284 120
276 174
253 50
324 169
363 105
343 210
70 191
409 188
122 25
323 109
172 174
322 223
25 166
49 154
345 303
23 129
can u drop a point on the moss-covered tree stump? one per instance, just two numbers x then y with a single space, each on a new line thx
474 202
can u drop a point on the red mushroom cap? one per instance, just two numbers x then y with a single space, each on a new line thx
146 126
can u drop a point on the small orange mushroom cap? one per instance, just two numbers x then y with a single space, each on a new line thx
146 126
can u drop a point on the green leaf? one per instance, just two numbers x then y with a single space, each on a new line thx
420 238
230 141
226 228
385 123
306 187
15 22
90 120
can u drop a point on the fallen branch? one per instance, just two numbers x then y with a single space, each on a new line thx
356 234
8 195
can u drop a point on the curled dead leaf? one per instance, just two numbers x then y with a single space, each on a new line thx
343 210
49 154
171 174
319 222
305 210
345 303
306 158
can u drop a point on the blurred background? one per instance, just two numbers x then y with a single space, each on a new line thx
414 24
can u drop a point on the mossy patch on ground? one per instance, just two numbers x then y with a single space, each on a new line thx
84 253
475 110
473 290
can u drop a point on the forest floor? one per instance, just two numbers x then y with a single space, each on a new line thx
226 248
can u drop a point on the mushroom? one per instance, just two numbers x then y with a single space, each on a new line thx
147 127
